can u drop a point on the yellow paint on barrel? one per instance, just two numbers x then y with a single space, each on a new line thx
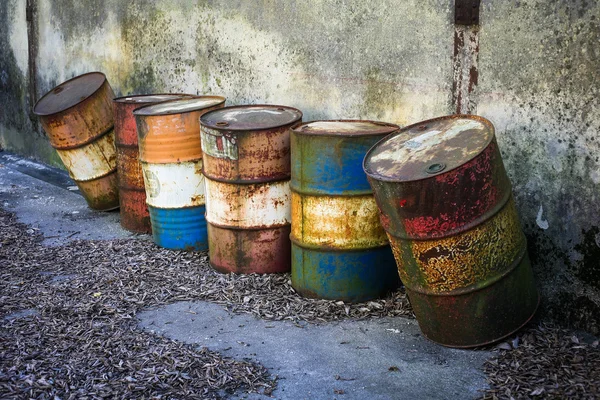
456 262
342 222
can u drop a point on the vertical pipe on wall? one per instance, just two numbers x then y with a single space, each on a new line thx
32 49
466 55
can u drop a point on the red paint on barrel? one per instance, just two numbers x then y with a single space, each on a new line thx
132 193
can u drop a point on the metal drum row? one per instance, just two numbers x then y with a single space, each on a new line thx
266 193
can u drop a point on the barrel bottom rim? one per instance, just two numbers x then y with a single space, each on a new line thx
136 230
106 209
309 294
471 346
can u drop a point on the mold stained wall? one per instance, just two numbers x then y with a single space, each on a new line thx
539 70
331 59
385 60
18 127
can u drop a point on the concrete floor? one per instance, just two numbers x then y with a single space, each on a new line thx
373 359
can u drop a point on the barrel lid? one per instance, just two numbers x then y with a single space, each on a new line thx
345 128
69 93
254 117
180 106
151 98
428 148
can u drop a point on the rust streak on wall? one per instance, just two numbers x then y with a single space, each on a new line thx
465 69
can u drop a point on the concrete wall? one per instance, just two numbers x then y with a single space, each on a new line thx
385 60
540 84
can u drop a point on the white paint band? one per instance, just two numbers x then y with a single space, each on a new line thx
248 206
91 161
175 185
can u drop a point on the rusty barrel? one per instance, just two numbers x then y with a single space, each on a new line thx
171 159
246 152
446 204
132 193
78 119
339 249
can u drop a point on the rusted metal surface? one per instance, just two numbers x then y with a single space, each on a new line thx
171 159
169 132
466 12
246 155
32 53
465 67
246 144
132 194
249 251
252 206
439 265
336 222
339 249
446 205
77 117
473 183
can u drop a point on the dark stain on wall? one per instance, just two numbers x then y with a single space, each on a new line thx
13 86
588 268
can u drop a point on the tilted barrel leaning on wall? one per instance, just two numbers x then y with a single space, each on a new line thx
446 204
132 193
247 168
171 158
78 118
339 249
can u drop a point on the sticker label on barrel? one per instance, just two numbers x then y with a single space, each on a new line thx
219 144
152 183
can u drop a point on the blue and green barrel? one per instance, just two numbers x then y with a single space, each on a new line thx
339 249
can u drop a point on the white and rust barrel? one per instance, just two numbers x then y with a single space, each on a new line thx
78 118
171 158
246 153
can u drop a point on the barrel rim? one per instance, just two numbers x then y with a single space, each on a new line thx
216 127
297 128
236 181
382 178
132 99
138 112
43 114
331 249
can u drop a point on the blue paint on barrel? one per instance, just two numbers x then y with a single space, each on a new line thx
352 276
179 228
335 169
